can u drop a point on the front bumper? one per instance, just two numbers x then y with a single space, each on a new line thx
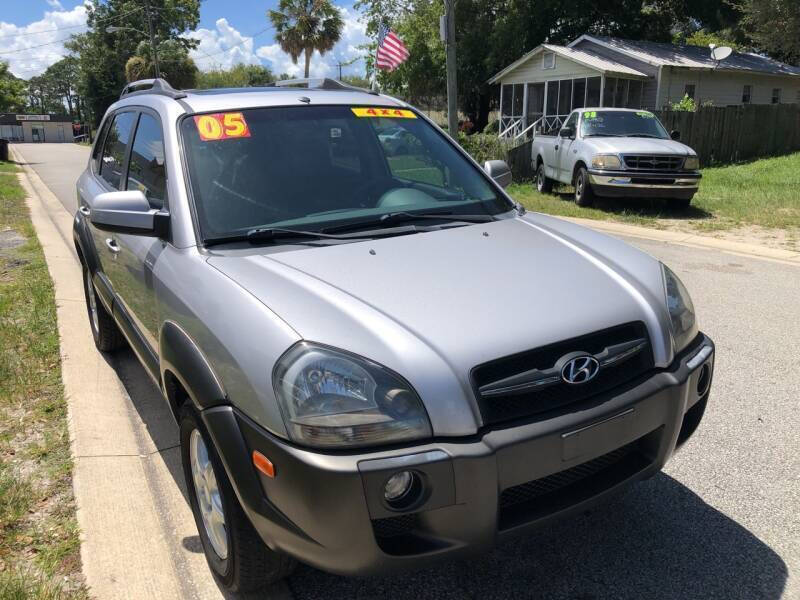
328 511
644 184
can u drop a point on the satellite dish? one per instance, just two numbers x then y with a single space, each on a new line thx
721 53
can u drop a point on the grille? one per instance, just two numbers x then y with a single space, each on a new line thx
393 526
507 407
535 499
653 162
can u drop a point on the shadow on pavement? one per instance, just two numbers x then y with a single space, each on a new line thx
656 208
658 541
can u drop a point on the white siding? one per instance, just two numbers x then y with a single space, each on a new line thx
724 88
531 71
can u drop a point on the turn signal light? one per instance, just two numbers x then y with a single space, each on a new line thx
263 464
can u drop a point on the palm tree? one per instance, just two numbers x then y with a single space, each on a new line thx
302 26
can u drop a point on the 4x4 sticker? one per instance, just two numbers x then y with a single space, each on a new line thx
391 113
221 126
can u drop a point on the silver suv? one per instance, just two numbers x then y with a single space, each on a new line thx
375 356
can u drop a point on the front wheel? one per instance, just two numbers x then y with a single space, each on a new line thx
237 556
543 183
584 195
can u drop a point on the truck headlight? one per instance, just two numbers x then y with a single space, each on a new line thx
692 163
681 310
332 399
606 161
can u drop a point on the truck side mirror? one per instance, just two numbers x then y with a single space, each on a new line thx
567 132
675 135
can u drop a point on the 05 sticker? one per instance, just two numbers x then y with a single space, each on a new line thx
221 126
391 113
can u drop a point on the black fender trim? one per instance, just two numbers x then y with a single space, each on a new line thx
223 426
82 238
181 357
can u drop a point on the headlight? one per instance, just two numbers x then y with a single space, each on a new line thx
692 163
606 161
681 310
329 398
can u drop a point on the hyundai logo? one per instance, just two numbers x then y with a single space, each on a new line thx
581 369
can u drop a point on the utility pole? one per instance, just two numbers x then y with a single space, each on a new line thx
152 38
447 28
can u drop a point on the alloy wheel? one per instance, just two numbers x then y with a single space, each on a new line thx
209 499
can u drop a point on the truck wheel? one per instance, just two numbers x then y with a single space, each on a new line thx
543 183
106 334
681 203
584 195
237 556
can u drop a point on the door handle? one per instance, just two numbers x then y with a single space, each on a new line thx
112 245
556 146
84 210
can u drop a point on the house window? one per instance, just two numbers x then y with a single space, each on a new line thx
688 90
776 95
747 92
549 60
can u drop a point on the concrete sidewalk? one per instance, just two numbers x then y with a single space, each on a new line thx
138 537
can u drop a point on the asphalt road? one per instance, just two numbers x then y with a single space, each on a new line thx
721 521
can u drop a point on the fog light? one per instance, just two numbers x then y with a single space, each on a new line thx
704 380
398 486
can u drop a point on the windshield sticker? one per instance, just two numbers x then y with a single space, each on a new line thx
221 126
645 114
336 132
590 115
392 113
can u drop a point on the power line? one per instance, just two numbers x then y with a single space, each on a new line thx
12 35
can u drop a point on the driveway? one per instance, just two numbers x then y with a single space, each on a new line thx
721 521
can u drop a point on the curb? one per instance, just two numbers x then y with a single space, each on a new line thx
692 240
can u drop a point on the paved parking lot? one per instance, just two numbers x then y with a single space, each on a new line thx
720 522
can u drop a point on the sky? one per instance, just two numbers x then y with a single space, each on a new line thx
230 32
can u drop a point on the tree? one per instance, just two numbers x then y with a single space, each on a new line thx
12 91
302 26
102 55
774 26
60 82
237 76
174 64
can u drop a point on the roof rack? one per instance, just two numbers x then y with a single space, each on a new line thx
151 86
322 83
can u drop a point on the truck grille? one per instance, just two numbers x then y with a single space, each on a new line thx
653 162
503 407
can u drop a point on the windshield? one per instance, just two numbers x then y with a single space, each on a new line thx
618 123
308 167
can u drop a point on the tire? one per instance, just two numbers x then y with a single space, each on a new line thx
584 195
544 184
681 203
237 556
106 333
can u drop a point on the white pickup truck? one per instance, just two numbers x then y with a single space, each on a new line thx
616 152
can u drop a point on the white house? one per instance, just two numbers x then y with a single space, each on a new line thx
543 86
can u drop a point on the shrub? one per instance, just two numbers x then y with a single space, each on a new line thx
686 104
483 147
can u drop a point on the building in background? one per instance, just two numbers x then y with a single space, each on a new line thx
36 128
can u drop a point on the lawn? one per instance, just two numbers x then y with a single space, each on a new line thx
39 545
764 193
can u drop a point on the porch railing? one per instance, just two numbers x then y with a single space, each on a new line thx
514 128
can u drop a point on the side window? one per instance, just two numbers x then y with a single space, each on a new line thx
98 145
114 148
147 169
572 121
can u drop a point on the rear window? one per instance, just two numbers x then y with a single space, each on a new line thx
308 167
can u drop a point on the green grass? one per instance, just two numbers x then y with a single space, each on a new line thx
39 544
8 167
764 193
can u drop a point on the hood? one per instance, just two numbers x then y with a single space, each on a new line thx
635 145
431 306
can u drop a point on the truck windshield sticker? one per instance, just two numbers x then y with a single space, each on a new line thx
590 115
644 114
221 126
391 113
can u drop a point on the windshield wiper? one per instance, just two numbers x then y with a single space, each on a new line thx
604 135
646 135
406 217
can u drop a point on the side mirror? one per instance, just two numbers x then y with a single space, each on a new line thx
675 135
567 132
499 171
127 212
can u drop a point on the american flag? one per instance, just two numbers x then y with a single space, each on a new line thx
392 51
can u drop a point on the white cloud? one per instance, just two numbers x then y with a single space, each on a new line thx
353 34
55 4
222 47
31 53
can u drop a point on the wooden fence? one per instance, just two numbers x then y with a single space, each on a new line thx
719 135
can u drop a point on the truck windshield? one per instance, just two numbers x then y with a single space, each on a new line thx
314 167
617 123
